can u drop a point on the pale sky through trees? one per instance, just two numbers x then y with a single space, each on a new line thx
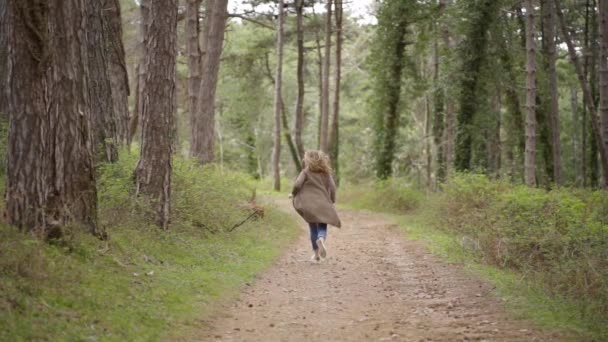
361 10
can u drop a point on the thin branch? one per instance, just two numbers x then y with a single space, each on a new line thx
244 17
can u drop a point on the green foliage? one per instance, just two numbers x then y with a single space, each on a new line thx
387 62
393 195
479 16
143 283
545 251
558 237
525 298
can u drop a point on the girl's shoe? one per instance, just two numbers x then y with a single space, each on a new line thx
322 249
315 257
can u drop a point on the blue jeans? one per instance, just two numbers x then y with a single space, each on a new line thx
317 231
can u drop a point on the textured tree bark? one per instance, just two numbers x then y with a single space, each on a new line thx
576 160
297 162
193 51
299 121
140 69
476 39
293 150
394 19
153 171
3 61
549 48
586 60
588 98
439 103
203 124
450 112
324 131
319 77
544 149
134 120
496 151
603 82
50 173
117 67
530 157
276 149
427 143
105 136
593 51
334 138
516 138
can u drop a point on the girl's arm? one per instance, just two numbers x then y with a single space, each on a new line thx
299 182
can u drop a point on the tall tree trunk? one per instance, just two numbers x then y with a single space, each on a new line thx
134 120
473 52
530 157
497 144
193 51
299 121
603 82
3 74
586 60
549 49
252 162
450 112
140 69
544 128
117 68
51 176
543 135
439 106
586 91
389 50
297 162
105 136
324 131
334 138
276 149
427 142
320 79
203 124
153 171
3 62
593 80
576 159
516 137
320 86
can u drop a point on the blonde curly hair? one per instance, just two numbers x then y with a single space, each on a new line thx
317 161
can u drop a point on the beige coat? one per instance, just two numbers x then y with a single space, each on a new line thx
314 195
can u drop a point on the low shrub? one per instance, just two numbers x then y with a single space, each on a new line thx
559 237
142 283
391 195
204 198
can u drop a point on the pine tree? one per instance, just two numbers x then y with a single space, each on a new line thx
473 52
50 173
203 123
387 64
154 169
276 149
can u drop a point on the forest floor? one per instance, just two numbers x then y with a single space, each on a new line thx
375 285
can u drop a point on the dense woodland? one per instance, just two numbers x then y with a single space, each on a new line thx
422 91
507 88
511 89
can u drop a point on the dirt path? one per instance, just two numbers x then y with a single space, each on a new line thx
375 285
